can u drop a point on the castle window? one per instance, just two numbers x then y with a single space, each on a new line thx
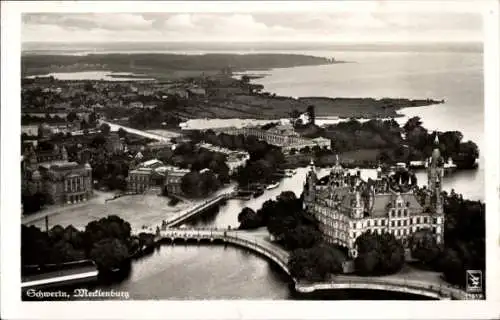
399 213
418 220
393 223
425 219
383 223
368 223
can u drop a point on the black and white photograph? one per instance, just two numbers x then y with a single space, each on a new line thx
332 153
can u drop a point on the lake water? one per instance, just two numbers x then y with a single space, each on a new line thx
456 77
223 272
92 75
192 272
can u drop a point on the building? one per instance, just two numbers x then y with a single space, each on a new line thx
174 180
154 174
114 143
136 104
283 136
61 181
234 159
346 206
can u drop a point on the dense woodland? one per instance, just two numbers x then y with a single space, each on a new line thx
394 143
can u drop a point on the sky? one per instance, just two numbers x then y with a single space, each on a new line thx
375 23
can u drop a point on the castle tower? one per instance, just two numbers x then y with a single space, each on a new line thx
358 205
435 175
336 178
64 154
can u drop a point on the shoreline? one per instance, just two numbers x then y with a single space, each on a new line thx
440 291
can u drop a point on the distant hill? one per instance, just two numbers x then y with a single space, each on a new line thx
158 62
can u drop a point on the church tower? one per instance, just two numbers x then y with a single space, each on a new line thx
311 179
435 175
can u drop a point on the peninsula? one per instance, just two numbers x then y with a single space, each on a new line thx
209 85
165 66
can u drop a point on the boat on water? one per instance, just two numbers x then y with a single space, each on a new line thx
243 195
449 166
273 186
290 173
258 193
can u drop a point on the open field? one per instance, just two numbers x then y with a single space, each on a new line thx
138 210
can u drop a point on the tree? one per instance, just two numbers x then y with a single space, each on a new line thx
412 124
311 114
315 263
92 119
110 227
295 114
452 267
378 254
245 79
302 236
424 247
105 129
122 133
249 219
109 254
72 116
98 141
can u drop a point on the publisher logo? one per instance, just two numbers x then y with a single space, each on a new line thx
474 281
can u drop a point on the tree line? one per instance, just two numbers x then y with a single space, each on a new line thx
399 144
265 159
107 241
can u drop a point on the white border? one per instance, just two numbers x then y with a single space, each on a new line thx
13 308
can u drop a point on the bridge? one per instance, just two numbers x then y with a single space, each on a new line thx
239 238
397 283
186 215
412 282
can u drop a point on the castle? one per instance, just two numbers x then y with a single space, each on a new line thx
346 206
50 173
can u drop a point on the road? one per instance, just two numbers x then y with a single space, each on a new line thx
159 135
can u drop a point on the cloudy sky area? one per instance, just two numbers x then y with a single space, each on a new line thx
360 26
